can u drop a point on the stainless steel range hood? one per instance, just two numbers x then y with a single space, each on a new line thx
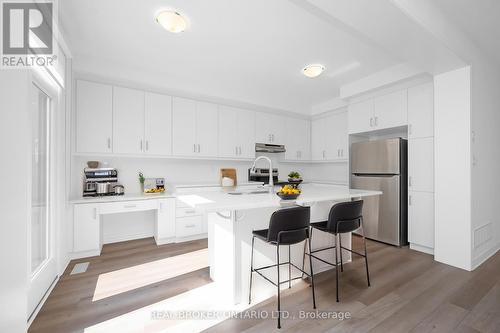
269 148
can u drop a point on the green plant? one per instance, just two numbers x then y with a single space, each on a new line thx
294 175
141 178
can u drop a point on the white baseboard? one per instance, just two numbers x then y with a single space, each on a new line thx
110 239
162 241
84 254
478 260
422 248
42 301
190 238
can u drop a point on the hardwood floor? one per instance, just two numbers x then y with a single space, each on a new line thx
409 293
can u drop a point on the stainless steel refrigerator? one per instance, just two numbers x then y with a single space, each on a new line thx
382 165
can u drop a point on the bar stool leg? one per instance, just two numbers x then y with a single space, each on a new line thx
340 250
251 274
278 267
336 269
366 257
304 258
312 274
289 268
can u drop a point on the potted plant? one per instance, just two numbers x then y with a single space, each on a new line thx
294 177
141 181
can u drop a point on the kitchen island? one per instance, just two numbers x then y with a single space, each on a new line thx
232 215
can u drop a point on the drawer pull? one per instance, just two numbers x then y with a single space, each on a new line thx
190 225
192 211
129 206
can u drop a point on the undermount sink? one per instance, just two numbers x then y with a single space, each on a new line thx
248 192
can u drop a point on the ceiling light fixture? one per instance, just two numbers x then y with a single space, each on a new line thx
171 21
313 70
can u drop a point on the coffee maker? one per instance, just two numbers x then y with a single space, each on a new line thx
99 181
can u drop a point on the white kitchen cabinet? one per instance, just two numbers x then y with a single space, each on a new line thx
421 220
158 124
386 111
183 127
86 228
360 117
236 133
421 164
165 224
271 128
128 121
318 130
298 139
337 137
207 123
194 128
94 117
421 111
390 110
329 137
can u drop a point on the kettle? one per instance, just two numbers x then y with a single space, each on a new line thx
119 189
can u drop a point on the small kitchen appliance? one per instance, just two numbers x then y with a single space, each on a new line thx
262 175
99 182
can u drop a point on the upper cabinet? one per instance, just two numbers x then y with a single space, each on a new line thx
390 110
236 133
297 142
128 121
329 137
194 128
421 111
158 124
94 117
271 128
382 112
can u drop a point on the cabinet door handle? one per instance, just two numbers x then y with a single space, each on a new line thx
147 145
140 144
409 200
161 207
95 213
323 154
371 122
109 143
129 206
409 181
376 121
240 150
190 225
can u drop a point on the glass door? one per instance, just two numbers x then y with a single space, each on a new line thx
41 263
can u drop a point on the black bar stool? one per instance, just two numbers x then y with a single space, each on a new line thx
344 217
287 226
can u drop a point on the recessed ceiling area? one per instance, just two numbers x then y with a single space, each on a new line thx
246 51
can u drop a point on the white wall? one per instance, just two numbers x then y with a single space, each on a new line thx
14 198
452 165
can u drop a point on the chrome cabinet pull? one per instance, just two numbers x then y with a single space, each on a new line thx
409 200
109 143
190 225
95 213
147 145
371 122
141 145
129 206
409 181
376 121
194 147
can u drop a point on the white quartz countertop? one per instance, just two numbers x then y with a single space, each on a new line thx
124 197
218 201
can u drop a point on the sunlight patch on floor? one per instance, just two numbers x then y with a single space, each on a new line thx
153 318
130 278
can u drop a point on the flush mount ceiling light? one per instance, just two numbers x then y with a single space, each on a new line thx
313 70
171 21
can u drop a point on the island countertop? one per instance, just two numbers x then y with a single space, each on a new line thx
222 200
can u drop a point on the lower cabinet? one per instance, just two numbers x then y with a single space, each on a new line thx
421 220
165 223
86 228
189 224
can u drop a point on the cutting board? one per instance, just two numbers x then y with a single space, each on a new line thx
229 173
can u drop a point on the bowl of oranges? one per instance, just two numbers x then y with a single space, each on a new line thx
288 192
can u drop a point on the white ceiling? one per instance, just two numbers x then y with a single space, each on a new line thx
478 19
245 51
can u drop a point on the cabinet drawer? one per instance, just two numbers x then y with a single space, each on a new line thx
128 206
186 211
188 226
